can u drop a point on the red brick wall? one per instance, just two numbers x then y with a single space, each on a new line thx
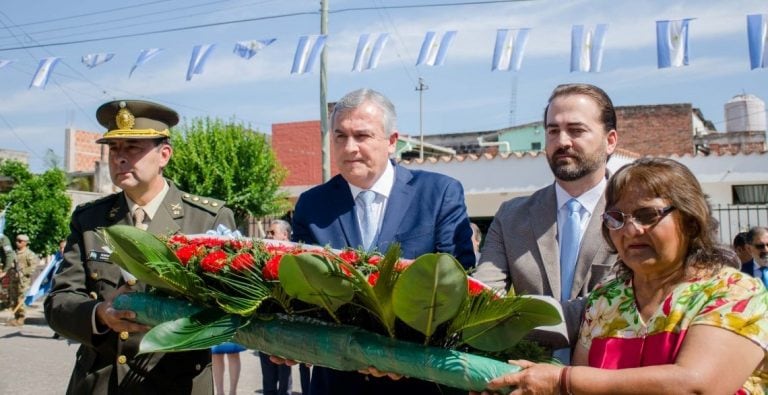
656 130
86 151
297 147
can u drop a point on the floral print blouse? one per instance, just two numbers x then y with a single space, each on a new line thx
617 337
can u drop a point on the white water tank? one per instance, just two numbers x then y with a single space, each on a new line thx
745 113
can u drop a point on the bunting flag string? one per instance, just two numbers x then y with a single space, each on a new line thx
43 73
144 56
249 49
509 49
94 59
672 43
307 51
433 53
757 35
587 47
369 52
200 54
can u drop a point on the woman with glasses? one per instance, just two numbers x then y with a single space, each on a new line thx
676 318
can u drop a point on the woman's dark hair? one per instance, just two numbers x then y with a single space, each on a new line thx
674 182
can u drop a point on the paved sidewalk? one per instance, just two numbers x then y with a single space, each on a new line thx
35 363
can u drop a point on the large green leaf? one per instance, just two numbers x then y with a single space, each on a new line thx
314 280
132 248
197 332
429 292
244 294
487 330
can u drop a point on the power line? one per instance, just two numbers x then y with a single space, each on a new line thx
64 18
246 20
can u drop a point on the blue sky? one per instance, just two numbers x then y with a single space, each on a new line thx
463 94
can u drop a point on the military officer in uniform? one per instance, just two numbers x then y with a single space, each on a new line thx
79 306
26 263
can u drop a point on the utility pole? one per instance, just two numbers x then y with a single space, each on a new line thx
421 88
325 138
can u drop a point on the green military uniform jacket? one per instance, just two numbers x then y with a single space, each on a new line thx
107 363
27 261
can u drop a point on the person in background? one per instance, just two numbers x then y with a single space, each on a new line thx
276 378
549 243
26 263
230 351
79 306
741 248
374 203
7 270
677 318
757 243
477 239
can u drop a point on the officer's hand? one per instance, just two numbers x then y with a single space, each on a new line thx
287 362
378 373
118 320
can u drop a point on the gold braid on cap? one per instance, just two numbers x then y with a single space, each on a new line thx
124 118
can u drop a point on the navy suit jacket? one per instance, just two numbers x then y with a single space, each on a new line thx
425 213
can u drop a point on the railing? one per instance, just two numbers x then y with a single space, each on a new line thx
735 218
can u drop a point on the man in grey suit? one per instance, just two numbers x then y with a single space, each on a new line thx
523 246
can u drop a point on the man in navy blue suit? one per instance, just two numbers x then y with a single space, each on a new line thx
424 212
757 243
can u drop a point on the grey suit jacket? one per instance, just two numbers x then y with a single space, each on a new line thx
521 252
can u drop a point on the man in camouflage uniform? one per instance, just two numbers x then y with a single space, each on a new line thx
26 263
79 306
7 270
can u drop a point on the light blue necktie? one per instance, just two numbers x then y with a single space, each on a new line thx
764 275
569 247
367 223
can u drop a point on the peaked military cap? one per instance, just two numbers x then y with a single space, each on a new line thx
135 119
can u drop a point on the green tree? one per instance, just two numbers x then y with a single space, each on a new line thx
38 206
228 161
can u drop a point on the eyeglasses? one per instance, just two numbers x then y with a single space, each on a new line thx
20 241
760 246
646 216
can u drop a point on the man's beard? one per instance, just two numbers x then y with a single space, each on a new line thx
762 260
583 164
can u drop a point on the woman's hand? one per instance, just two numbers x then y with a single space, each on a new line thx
541 378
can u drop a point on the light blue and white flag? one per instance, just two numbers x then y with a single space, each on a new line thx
4 62
587 47
672 43
42 284
432 53
509 49
249 49
94 59
200 54
43 73
307 51
368 52
144 56
757 33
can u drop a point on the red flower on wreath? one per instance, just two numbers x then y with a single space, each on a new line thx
373 278
349 256
272 267
374 260
242 262
214 261
186 253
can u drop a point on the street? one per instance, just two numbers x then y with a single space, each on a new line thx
33 362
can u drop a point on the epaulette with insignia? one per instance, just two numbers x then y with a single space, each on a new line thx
209 204
93 203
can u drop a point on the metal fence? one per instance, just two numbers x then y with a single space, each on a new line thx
735 218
